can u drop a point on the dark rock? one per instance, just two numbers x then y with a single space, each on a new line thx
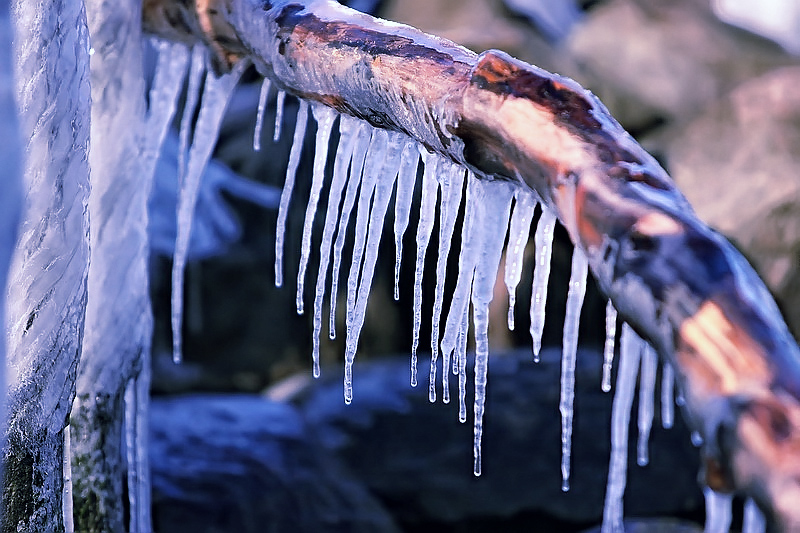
417 458
245 464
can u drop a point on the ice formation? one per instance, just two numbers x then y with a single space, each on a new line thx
718 511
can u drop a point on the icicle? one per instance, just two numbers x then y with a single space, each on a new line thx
192 96
543 241
630 350
389 147
359 153
427 210
577 291
279 105
406 179
753 518
142 447
262 106
518 235
718 511
647 386
494 201
461 359
130 451
608 349
167 84
325 117
452 184
66 496
348 133
667 390
216 95
288 185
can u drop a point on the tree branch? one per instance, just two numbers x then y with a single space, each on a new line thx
679 284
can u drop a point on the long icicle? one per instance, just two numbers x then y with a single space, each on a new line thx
452 185
647 386
280 102
359 154
718 511
325 117
543 242
386 174
216 95
494 199
753 518
262 107
667 393
427 210
518 236
608 347
288 186
348 134
629 354
196 68
406 179
577 291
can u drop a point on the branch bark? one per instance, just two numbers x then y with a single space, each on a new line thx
679 284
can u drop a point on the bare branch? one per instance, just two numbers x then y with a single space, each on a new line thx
679 284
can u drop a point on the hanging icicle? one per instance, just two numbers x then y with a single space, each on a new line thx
647 387
288 186
406 179
718 511
608 348
753 518
630 352
667 392
262 107
518 235
280 102
543 242
577 291
216 94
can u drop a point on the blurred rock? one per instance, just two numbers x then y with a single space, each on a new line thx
738 165
417 458
651 61
245 464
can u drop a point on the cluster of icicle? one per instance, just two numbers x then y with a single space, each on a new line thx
372 165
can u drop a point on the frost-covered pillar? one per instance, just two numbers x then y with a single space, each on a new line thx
47 279
118 315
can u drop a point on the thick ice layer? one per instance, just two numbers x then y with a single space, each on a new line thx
577 291
630 349
348 134
543 242
288 187
718 511
493 200
325 117
216 94
389 147
518 236
608 348
647 388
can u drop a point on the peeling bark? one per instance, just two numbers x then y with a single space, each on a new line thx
679 284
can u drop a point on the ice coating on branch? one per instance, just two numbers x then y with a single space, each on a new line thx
543 243
608 347
196 69
753 518
647 390
518 235
667 393
216 94
493 201
390 146
325 117
360 149
288 186
718 511
452 185
406 179
262 106
427 211
348 134
575 296
629 353
280 102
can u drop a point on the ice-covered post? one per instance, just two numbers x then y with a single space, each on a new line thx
47 281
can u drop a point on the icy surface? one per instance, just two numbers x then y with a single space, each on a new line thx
216 93
630 349
518 235
543 242
577 291
718 511
288 186
647 387
608 348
